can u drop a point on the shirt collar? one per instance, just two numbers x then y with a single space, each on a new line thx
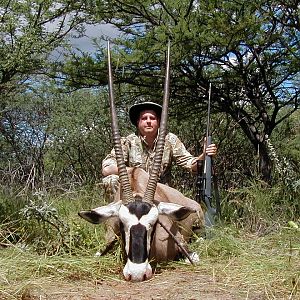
142 138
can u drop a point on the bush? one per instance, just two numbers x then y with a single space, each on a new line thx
50 224
259 207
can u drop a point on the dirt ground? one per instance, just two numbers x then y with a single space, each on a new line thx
170 284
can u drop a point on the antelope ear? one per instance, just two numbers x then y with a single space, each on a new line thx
100 214
175 211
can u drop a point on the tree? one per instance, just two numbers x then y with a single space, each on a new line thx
23 140
79 136
249 51
30 32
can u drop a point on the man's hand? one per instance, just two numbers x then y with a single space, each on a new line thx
210 150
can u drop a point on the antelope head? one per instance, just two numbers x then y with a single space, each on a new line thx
138 215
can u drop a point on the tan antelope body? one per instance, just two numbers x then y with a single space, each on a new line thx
163 247
142 203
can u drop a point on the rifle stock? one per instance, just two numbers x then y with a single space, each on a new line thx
204 177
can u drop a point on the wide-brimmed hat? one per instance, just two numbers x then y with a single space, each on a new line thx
136 109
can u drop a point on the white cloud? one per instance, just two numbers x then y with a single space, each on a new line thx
99 32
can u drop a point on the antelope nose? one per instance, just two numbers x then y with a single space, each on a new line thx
127 277
147 275
137 272
138 277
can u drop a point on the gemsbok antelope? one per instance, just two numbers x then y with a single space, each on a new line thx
150 217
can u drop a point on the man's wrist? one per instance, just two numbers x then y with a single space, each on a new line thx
201 157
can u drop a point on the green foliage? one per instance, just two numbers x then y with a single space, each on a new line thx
222 243
30 31
286 140
84 70
243 49
29 267
51 225
25 123
79 135
248 51
260 208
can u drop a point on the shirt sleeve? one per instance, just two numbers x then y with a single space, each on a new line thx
180 155
110 159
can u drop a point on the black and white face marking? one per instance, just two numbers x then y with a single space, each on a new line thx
138 219
137 244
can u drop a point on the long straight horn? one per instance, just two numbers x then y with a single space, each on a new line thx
123 175
156 168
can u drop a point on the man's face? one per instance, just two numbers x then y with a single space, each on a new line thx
148 123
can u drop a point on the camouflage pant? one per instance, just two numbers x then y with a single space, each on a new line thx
110 185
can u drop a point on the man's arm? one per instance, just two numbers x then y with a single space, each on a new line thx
183 158
109 164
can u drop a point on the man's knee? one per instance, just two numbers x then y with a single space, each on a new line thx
110 185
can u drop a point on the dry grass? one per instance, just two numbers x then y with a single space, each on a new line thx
268 266
240 265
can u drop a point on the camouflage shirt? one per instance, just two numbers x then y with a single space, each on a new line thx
137 154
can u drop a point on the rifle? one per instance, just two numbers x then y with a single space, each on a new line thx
204 178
